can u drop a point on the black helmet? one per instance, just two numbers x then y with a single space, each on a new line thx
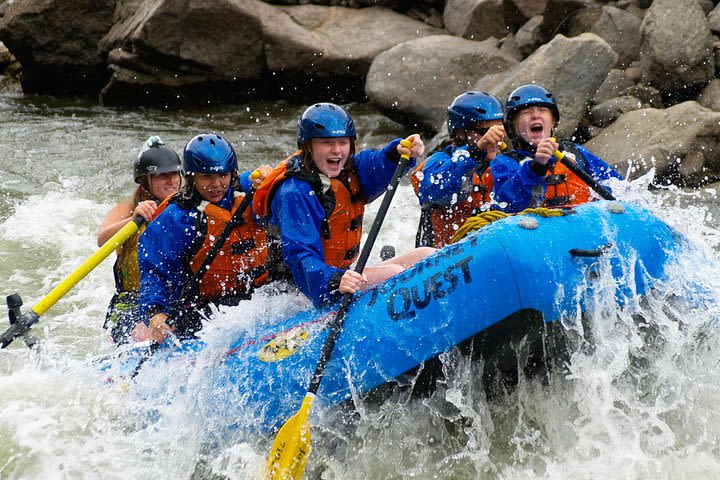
155 157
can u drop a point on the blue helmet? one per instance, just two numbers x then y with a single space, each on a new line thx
325 120
209 153
527 96
472 107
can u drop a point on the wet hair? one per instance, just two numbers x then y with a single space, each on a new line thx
142 192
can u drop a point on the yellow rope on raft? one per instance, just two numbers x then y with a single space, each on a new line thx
486 218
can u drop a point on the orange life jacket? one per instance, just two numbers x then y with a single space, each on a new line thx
240 264
344 205
440 222
564 188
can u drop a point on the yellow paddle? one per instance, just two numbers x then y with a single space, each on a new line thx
290 450
20 324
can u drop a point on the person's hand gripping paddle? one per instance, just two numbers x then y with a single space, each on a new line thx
291 448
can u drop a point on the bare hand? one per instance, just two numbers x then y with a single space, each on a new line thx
545 150
417 149
145 209
352 282
159 329
264 170
492 139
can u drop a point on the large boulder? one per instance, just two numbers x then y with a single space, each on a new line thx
528 37
571 68
622 32
169 49
676 48
55 42
605 113
335 39
475 19
414 82
615 82
682 143
166 50
558 15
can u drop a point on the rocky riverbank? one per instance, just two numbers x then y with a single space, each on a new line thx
635 79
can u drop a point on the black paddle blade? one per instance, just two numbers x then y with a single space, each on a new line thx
19 323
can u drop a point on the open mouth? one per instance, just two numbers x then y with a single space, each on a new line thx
334 162
536 128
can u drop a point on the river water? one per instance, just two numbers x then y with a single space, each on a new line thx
641 404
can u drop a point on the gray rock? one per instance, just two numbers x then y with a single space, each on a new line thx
613 85
714 19
706 5
414 82
333 40
710 95
622 31
431 17
528 38
6 58
676 46
196 33
176 48
633 10
571 68
558 15
55 42
475 19
634 71
180 49
4 6
581 21
647 95
607 112
510 48
518 12
527 8
662 139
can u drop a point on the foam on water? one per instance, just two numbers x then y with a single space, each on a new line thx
638 402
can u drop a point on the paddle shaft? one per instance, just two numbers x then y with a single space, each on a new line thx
23 323
339 319
583 175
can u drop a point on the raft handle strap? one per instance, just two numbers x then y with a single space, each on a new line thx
598 252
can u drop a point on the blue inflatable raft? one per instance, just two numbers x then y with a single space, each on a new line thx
517 274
